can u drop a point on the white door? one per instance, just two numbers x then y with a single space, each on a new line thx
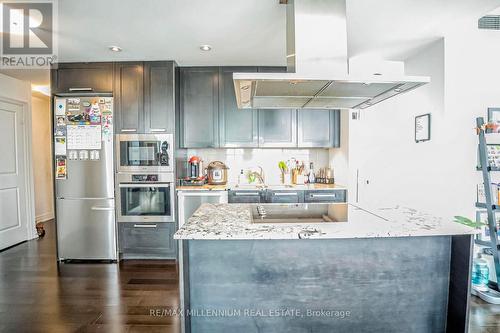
13 201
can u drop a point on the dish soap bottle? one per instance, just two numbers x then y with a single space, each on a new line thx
480 273
311 179
240 177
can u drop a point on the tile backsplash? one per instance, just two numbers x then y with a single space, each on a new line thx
238 159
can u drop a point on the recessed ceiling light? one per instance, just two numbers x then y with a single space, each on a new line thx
115 48
205 47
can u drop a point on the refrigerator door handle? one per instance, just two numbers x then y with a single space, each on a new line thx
80 89
145 225
138 185
102 208
64 198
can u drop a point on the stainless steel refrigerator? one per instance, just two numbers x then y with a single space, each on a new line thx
84 182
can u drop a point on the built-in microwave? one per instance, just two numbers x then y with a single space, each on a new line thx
145 197
145 152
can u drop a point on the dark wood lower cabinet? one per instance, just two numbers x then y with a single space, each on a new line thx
147 240
289 196
325 196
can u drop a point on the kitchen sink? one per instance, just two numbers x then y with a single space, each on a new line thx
299 213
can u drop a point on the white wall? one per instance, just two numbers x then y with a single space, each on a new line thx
42 152
437 176
339 157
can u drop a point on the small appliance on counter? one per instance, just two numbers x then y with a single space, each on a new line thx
196 174
195 167
217 173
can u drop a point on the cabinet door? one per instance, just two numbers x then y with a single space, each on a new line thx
318 128
147 240
277 128
237 127
199 107
159 107
325 196
288 196
128 97
82 77
249 196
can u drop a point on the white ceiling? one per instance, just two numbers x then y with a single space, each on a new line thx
396 29
243 32
240 31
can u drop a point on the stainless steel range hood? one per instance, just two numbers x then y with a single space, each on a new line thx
317 67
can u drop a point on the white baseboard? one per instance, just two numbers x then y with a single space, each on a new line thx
44 217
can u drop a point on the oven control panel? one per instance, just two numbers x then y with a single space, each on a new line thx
144 178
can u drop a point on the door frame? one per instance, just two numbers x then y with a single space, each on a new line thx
31 232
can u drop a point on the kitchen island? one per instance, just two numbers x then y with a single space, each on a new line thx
374 270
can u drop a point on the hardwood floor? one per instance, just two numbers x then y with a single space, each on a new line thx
484 317
38 295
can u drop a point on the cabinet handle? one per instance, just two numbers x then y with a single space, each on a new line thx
144 185
323 195
129 129
157 130
144 225
80 89
286 194
102 208
246 193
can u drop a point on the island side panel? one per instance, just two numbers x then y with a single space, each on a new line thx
184 285
370 285
460 275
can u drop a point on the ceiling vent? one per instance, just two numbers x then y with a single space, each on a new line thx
490 22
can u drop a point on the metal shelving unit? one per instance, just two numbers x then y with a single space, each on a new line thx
493 295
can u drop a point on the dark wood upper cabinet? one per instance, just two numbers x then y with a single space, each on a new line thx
209 116
318 128
237 127
272 69
129 97
82 77
199 107
159 102
277 128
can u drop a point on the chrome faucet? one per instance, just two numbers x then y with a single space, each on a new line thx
259 175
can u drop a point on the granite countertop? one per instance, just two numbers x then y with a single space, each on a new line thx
234 221
228 187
